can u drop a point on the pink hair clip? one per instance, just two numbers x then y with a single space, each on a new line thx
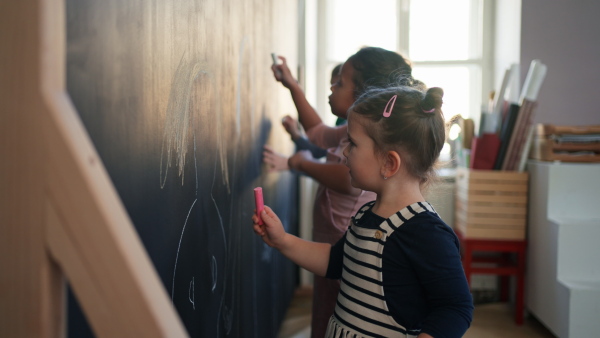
390 104
428 111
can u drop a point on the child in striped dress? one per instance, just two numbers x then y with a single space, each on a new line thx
398 262
336 200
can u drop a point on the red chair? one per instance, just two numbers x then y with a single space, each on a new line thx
504 265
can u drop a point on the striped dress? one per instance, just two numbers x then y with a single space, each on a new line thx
361 310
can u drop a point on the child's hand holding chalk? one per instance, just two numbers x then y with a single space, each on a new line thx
276 70
282 72
270 229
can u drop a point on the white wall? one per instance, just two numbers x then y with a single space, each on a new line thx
507 40
564 36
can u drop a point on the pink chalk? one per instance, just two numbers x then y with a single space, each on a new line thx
260 205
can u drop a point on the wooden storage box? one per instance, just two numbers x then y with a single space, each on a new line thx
491 204
547 147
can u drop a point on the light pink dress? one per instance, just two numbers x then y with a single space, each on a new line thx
331 216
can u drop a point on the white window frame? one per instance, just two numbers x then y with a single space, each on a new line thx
480 89
481 41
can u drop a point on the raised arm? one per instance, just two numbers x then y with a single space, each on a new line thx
302 143
332 175
307 115
312 256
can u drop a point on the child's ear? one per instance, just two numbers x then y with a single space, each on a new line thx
391 164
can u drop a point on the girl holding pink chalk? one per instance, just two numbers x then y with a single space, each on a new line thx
336 199
398 262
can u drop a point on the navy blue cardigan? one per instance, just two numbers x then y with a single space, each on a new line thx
423 279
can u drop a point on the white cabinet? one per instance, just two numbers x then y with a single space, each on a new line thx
563 259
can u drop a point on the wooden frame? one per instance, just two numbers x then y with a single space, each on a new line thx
60 215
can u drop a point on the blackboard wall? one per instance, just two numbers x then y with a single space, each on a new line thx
177 97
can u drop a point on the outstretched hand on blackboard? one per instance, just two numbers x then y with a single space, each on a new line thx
291 126
274 160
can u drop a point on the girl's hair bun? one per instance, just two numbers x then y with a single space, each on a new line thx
432 100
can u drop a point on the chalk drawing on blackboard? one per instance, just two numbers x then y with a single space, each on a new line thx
214 267
178 248
244 63
195 165
238 91
214 274
179 132
189 80
178 118
191 294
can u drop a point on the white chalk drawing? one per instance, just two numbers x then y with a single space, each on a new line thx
238 95
238 90
191 294
195 164
214 270
178 118
179 247
214 267
179 131
178 127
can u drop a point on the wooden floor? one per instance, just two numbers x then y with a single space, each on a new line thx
489 321
297 319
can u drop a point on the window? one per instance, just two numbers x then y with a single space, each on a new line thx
447 50
446 41
356 23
